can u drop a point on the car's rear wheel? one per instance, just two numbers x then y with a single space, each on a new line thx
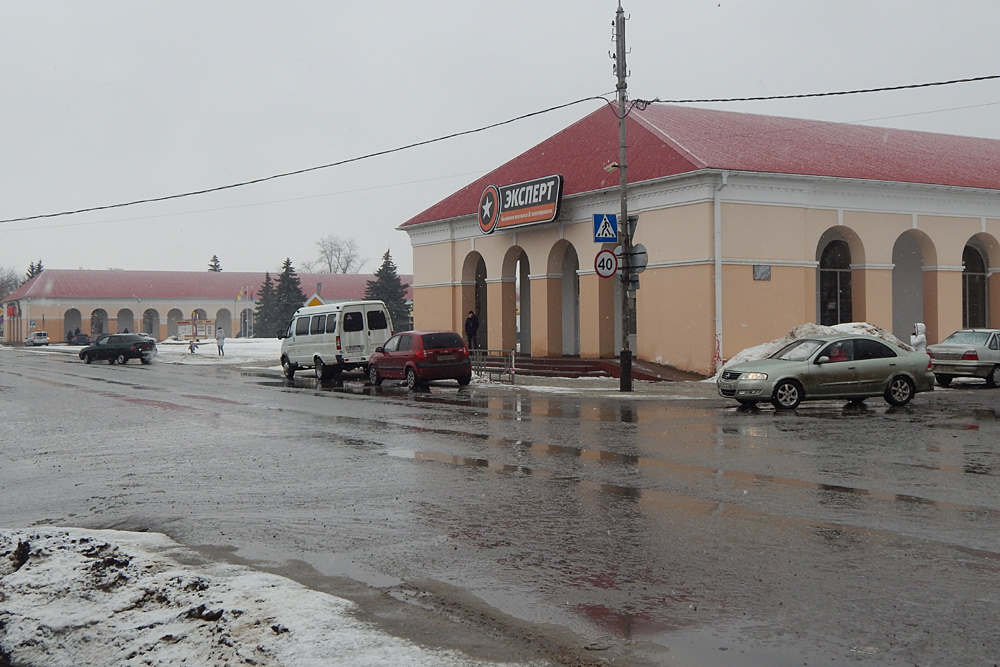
287 368
993 379
900 391
943 380
373 376
323 371
787 395
411 378
146 359
464 380
122 359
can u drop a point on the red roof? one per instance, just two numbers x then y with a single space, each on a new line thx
81 284
666 140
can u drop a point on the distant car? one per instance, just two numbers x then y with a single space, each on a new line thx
37 338
967 353
829 367
78 339
420 356
120 348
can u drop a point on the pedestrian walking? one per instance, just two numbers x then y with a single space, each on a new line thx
471 327
220 340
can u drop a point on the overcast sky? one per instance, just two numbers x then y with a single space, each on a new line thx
109 102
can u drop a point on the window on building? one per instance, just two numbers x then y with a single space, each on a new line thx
973 289
835 284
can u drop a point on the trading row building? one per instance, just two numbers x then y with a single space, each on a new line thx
752 225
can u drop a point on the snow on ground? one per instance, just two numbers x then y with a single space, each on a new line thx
100 597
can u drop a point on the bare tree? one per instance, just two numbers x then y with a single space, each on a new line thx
336 255
10 280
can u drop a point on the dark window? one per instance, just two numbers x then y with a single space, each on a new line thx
353 321
974 281
376 320
318 324
835 284
404 343
442 340
331 323
994 342
302 326
391 344
872 349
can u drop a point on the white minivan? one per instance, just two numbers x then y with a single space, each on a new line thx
334 337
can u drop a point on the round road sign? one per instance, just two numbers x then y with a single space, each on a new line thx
606 263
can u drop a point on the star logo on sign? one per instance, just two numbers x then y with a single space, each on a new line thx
489 209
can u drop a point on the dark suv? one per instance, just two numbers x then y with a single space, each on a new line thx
120 348
419 356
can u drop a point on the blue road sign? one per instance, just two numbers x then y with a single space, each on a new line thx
605 228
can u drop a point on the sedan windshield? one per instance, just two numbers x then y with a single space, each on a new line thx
800 350
967 338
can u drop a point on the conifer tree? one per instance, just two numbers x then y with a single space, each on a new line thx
214 265
288 295
388 288
265 322
33 270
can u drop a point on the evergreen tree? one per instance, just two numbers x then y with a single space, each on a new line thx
265 322
388 288
288 294
33 270
214 265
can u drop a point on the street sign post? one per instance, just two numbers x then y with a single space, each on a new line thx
606 263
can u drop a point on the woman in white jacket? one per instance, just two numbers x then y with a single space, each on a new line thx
918 341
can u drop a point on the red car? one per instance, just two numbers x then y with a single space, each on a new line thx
420 356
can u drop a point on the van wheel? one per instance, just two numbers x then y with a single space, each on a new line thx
287 368
322 370
373 376
411 378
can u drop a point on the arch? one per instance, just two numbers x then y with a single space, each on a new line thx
975 299
474 294
173 317
912 287
98 322
72 320
246 323
834 283
564 262
151 322
516 267
126 320
199 314
224 319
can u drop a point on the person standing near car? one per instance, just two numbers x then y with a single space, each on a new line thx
471 328
220 340
918 339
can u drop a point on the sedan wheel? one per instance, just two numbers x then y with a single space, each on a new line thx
787 395
900 391
89 358
373 377
993 379
943 380
122 359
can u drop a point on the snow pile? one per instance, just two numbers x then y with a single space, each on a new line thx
809 330
238 351
100 597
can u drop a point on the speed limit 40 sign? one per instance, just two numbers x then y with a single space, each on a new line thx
606 263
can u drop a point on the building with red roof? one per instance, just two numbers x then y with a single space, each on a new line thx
153 302
752 225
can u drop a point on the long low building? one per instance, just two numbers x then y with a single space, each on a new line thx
96 302
752 225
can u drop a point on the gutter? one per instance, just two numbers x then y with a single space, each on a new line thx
717 239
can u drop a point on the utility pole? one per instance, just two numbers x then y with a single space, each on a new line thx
628 293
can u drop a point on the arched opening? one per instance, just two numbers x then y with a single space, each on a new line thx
151 322
516 267
224 319
912 251
199 314
73 320
571 302
474 294
173 317
835 283
126 321
246 323
98 322
975 298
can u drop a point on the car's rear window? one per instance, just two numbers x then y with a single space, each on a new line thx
442 340
968 338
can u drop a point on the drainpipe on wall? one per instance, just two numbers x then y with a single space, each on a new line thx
717 238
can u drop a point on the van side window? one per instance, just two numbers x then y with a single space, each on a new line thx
404 343
376 320
353 321
318 324
331 323
302 326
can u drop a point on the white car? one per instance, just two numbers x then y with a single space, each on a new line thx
37 338
967 353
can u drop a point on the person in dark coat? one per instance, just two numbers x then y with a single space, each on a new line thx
471 328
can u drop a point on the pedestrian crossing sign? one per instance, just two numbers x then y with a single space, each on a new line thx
605 228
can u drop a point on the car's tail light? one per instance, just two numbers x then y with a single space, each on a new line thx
929 364
970 355
930 354
420 354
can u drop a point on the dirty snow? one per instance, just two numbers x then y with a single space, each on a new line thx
101 597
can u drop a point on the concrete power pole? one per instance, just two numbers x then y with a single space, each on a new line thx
628 291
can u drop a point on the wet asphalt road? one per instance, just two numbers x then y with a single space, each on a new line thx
660 527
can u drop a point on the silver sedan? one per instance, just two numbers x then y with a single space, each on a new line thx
967 353
829 367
